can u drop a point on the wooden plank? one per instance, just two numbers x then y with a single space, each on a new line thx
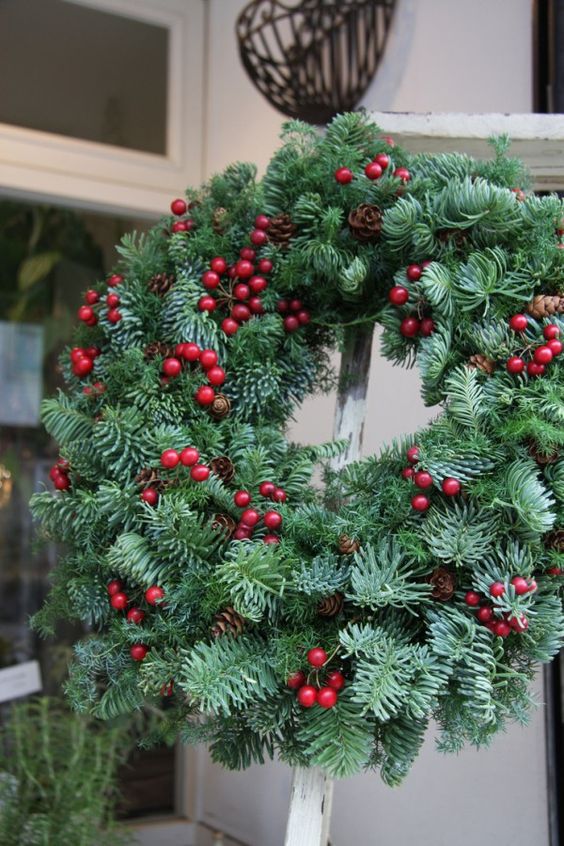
537 139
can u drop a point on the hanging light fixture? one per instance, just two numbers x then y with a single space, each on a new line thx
313 59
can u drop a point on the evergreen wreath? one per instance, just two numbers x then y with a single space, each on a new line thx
325 627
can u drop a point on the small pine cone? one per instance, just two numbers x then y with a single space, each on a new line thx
281 229
220 407
223 467
444 584
149 477
228 621
348 545
224 523
365 222
541 457
218 220
545 305
330 606
555 540
158 348
482 362
161 283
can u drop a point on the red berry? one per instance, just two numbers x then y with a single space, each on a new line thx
398 295
208 358
178 207
423 479
420 502
218 265
189 456
344 175
267 488
519 624
241 312
112 300
63 464
172 367
138 651
450 486
241 534
83 366
119 601
85 313
229 326
296 680
91 297
247 253
336 680
402 173
383 160
210 279
181 226
244 269
150 496
87 390
515 364
114 316
414 272
271 539
200 472
317 656
169 458
256 306
373 170
532 585
191 352
327 697
258 237
241 499
389 140
303 317
520 584
485 614
543 355
61 482
307 696
555 346
502 629
409 327
258 284
153 594
250 517
207 303
265 265
279 495
205 395
413 454
427 327
551 331
135 615
114 586
497 589
76 353
262 221
472 598
291 323
554 571
534 369
272 520
242 291
115 279
282 306
407 472
519 322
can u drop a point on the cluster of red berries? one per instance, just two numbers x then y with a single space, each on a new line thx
59 474
424 480
94 390
295 315
250 518
542 355
87 314
555 571
373 170
413 324
485 610
82 360
326 694
179 208
208 361
119 602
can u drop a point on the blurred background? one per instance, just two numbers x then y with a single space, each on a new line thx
108 109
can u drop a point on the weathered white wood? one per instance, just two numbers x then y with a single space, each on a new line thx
310 808
537 139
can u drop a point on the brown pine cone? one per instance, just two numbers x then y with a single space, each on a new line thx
160 283
330 606
220 407
348 545
224 523
223 467
482 362
540 457
545 305
149 477
365 222
228 621
444 584
281 230
555 540
218 220
158 348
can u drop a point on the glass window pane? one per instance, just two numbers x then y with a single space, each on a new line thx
84 73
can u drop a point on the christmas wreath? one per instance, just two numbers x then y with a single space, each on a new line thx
325 626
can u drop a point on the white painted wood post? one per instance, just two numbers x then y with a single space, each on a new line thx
311 798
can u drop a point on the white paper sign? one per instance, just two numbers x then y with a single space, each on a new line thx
20 680
21 362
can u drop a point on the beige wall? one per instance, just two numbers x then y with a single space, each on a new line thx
443 55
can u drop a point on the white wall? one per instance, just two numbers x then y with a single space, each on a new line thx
443 55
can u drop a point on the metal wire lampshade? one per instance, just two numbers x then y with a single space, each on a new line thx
313 59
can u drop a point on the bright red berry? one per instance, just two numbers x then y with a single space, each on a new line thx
520 584
327 697
398 295
150 496
267 488
258 284
258 237
115 279
205 395
178 207
119 601
543 355
414 272
241 312
208 358
210 279
114 316
306 696
373 170
244 269
247 253
519 624
250 517
272 520
551 331
344 175
112 300
485 614
271 539
427 327
169 458
229 326
296 680
62 482
413 454
172 367
279 495
450 486
291 323
191 352
383 160
241 291
472 598
303 317
189 456
153 594
207 303
420 502
135 615
423 479
407 473
138 651
241 499
262 221
180 226
200 472
265 265
534 369
256 305
317 656
241 533
85 313
83 366
91 297
409 327
336 680
519 322
502 629
555 346
402 173
114 586
515 364
497 589
218 265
